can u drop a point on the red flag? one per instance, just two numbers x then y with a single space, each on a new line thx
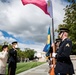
43 4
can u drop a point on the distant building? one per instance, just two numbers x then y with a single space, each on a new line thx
41 56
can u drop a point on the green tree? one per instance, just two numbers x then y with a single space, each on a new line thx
20 54
9 46
29 54
5 43
70 23
0 48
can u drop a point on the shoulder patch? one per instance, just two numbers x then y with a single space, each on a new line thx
67 45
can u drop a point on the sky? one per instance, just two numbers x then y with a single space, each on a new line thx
28 24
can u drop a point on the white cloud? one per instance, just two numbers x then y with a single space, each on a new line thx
7 39
29 22
36 47
1 37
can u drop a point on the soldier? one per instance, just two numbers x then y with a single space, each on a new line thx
57 43
64 65
12 62
3 59
49 55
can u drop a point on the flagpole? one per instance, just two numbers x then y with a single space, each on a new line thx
53 36
51 55
53 30
54 50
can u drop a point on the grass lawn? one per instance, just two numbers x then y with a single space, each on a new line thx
25 66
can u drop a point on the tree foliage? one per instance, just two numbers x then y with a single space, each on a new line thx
70 23
29 54
0 48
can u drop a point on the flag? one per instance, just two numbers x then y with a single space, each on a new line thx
50 8
50 50
45 5
48 37
47 46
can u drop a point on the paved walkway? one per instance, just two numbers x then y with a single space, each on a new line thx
42 70
74 64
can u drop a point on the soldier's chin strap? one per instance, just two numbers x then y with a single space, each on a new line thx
62 35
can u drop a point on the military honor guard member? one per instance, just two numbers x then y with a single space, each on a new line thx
64 65
3 59
12 62
57 43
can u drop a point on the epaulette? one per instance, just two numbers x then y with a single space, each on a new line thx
68 39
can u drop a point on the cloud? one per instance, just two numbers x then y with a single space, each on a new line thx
22 21
28 22
5 39
36 47
22 46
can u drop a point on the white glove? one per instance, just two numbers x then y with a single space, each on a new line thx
51 59
54 54
52 66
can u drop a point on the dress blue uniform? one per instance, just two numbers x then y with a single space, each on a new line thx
12 63
64 65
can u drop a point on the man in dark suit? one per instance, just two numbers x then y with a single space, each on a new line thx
64 65
12 62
